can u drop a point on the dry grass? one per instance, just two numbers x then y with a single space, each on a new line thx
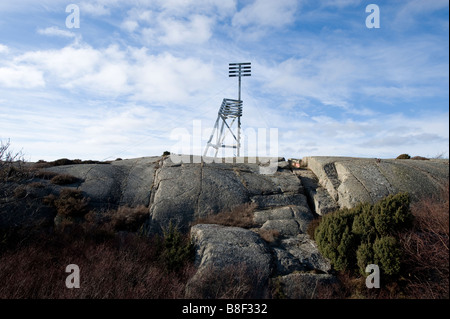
64 179
420 158
119 267
234 281
45 175
70 202
129 218
240 216
426 248
312 227
268 235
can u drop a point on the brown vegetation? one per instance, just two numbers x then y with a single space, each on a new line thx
64 179
234 281
426 249
66 161
240 216
114 266
268 235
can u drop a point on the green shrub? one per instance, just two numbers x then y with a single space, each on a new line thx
353 238
335 239
387 255
177 249
364 257
403 156
364 222
392 214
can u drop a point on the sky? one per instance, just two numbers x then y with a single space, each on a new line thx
137 78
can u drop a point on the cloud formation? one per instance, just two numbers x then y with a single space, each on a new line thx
136 71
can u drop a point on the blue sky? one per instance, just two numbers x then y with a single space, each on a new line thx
137 73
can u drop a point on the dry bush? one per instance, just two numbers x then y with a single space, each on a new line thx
233 281
64 179
239 216
129 218
45 175
20 191
310 230
121 267
426 248
420 158
36 185
268 235
11 164
70 203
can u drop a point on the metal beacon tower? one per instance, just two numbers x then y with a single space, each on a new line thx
230 112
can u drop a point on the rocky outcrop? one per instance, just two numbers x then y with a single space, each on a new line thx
350 181
303 285
299 253
222 253
126 182
179 193
318 197
287 220
286 200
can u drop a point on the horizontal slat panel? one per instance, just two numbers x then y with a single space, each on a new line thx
237 72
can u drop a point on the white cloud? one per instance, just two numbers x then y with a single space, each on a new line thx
95 9
340 3
21 76
196 30
410 10
129 25
266 13
334 74
173 64
66 64
112 72
379 136
55 31
328 80
180 8
3 48
166 78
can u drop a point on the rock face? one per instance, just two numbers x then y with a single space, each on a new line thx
318 197
127 182
222 253
304 285
220 245
350 181
179 193
299 253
